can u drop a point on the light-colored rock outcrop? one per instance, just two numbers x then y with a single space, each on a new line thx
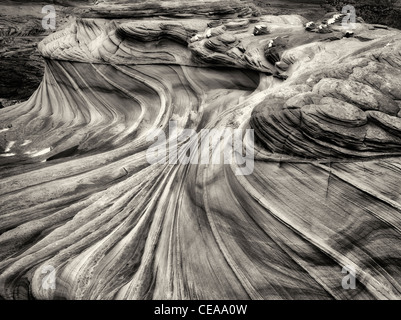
78 194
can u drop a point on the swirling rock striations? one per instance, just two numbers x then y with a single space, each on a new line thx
21 65
79 197
350 108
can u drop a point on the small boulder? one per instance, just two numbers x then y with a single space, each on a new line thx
349 34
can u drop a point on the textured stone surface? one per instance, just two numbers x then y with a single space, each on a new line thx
21 65
78 194
348 108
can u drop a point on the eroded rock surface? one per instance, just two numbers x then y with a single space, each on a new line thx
350 108
21 64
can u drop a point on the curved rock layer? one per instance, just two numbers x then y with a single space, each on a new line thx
21 65
78 195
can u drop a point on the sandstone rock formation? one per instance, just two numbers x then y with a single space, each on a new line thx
78 194
21 65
